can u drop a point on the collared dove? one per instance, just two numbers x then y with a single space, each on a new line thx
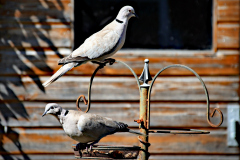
86 128
98 46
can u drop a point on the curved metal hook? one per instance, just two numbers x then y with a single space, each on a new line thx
88 102
101 65
134 74
204 87
212 114
82 97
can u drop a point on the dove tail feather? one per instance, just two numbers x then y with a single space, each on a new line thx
59 73
124 128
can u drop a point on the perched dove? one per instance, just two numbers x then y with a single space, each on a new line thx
85 128
98 46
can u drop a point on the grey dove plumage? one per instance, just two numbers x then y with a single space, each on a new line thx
98 46
86 128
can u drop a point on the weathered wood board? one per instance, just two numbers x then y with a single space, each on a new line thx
152 157
194 157
173 115
36 36
30 62
53 140
228 10
228 35
36 11
124 89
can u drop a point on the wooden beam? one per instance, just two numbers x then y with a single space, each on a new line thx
21 11
44 62
228 10
120 88
51 36
228 35
173 115
55 141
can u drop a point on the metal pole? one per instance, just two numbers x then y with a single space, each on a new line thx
143 125
145 77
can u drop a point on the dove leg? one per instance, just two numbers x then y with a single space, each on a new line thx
91 147
81 146
91 144
86 146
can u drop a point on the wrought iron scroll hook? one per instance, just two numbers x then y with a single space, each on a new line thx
82 97
204 87
101 65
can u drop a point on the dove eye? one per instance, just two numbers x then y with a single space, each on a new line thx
52 107
130 11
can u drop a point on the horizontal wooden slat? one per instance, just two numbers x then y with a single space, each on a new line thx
44 62
55 141
194 157
36 10
228 35
228 10
70 156
120 88
33 36
191 115
215 143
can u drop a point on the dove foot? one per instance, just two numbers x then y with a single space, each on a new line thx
109 60
103 63
81 146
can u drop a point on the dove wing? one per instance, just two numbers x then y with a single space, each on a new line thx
99 44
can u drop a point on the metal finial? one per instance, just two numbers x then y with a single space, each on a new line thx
145 76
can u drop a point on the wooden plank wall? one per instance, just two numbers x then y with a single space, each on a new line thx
36 33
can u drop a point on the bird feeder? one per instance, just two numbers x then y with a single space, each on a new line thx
141 151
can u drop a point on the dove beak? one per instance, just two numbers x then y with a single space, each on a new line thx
135 15
44 113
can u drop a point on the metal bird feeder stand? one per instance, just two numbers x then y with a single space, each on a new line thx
132 152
